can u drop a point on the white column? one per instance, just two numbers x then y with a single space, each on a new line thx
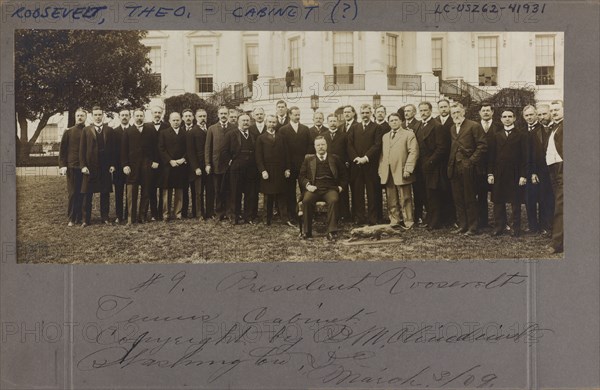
375 62
423 66
260 89
423 53
456 50
313 79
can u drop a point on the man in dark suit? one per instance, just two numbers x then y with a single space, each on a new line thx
412 123
418 185
384 126
174 174
289 80
257 129
96 157
464 164
507 171
380 115
316 129
68 162
187 116
195 144
215 165
297 139
337 143
364 148
151 176
433 156
118 178
538 190
273 165
137 155
282 114
349 114
490 127
554 160
259 126
239 152
323 176
545 118
448 210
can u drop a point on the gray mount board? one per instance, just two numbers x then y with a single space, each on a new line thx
72 326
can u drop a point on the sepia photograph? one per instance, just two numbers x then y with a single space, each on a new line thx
164 146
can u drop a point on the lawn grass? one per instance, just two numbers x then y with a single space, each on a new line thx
43 237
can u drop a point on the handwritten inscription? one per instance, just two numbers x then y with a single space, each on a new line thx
321 343
333 11
58 13
394 281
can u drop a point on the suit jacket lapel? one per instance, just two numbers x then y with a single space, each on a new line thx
313 169
426 130
332 166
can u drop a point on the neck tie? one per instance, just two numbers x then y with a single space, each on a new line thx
245 134
99 129
332 134
486 126
322 158
507 131
394 133
139 128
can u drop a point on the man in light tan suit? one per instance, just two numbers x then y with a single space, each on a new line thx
399 156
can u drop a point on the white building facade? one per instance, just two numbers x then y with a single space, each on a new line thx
352 67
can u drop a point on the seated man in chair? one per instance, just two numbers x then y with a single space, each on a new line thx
323 176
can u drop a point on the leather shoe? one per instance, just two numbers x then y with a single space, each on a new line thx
291 224
306 236
84 225
70 224
459 231
470 233
331 237
496 233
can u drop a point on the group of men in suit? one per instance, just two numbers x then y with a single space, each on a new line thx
436 172
516 165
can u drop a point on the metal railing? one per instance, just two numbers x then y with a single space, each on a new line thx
278 85
234 94
345 82
461 89
405 82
